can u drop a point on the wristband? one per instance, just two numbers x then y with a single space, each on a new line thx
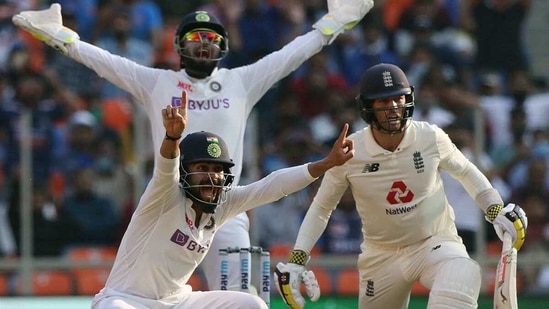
172 138
493 212
298 257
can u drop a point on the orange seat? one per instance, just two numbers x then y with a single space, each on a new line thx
347 282
90 280
3 284
92 253
280 250
419 290
48 283
493 248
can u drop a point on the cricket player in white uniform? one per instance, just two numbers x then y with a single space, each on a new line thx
220 100
407 223
188 198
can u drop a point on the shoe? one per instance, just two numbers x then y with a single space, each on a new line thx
47 26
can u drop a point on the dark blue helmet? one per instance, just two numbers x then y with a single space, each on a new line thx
384 81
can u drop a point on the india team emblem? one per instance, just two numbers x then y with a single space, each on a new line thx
213 148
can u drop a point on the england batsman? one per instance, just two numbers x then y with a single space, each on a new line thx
407 223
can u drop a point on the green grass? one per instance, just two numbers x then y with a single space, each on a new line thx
415 303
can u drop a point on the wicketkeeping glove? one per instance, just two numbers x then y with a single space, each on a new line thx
288 278
510 219
47 26
342 15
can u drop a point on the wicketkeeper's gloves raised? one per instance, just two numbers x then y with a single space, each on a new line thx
509 219
47 26
342 15
289 276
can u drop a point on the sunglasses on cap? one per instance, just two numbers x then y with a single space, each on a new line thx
203 36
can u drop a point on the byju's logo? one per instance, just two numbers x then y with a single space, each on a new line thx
399 194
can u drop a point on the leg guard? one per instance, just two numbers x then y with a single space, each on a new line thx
456 284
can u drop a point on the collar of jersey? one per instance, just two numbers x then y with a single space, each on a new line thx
373 148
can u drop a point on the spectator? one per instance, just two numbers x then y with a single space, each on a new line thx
73 76
30 101
371 48
78 148
340 110
119 41
51 229
94 216
8 248
497 26
313 82
429 108
145 19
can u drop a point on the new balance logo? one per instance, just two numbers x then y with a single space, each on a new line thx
370 168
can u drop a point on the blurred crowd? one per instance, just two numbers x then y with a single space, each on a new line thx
467 59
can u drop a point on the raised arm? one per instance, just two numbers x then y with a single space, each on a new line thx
175 121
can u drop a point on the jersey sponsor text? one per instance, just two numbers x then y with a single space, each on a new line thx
400 210
182 240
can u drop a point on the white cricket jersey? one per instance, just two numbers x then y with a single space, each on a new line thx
162 246
399 195
219 104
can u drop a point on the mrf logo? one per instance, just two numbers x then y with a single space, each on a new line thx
399 193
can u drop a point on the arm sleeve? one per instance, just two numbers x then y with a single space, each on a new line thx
164 181
134 78
260 76
471 178
270 188
329 193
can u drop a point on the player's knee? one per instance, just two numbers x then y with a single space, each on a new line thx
456 285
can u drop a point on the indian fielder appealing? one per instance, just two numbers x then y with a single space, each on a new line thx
220 100
407 223
188 198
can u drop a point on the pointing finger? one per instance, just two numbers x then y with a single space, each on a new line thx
343 133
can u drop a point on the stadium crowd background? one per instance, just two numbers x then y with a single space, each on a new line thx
467 59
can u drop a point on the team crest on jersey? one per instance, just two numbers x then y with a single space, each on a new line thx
215 86
418 162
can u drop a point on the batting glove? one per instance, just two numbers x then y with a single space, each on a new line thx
47 26
342 15
509 219
288 278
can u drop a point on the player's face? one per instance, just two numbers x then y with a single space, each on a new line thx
389 111
202 44
206 180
